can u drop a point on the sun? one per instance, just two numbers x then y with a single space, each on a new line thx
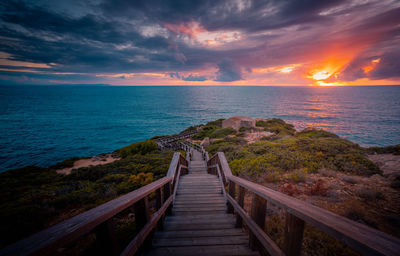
321 75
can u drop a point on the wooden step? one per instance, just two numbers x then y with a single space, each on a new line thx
206 217
199 226
217 250
179 213
199 233
202 208
195 221
199 192
199 241
200 197
199 203
194 187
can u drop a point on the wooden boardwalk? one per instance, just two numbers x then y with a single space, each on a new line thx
199 224
198 209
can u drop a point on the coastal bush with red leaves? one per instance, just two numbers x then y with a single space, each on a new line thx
290 189
318 189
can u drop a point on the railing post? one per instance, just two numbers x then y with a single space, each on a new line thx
240 200
142 212
293 235
258 212
231 191
167 194
105 238
142 216
159 203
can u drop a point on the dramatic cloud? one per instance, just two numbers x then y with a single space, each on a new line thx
190 77
281 42
228 71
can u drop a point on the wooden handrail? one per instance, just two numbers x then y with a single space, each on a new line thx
360 237
100 219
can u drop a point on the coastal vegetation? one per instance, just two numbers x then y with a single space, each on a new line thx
214 130
319 167
286 151
312 165
33 198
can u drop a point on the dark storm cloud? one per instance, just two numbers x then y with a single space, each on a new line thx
117 36
189 77
245 15
228 71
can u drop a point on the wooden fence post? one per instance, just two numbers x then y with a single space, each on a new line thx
167 194
142 216
142 212
258 212
105 238
231 191
293 235
159 203
240 200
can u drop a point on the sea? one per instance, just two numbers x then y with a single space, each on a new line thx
42 125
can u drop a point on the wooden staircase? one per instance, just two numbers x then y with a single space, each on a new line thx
199 224
198 209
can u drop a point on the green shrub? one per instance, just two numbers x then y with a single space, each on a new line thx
277 126
216 123
243 129
32 197
273 177
220 133
315 133
142 148
298 176
205 132
384 150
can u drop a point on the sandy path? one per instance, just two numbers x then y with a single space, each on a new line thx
96 160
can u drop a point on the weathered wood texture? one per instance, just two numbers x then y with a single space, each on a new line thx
100 219
199 224
360 237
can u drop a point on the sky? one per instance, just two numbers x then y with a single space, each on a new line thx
200 42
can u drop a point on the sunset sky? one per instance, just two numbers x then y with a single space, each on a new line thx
201 42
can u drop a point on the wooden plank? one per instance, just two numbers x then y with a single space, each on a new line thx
224 165
173 165
159 203
231 191
178 174
134 245
46 241
167 193
208 217
200 204
257 213
189 221
199 233
360 237
199 209
181 213
202 226
201 241
240 201
221 182
216 250
106 240
200 196
142 213
264 240
293 235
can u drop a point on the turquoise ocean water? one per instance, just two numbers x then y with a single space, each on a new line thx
41 125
